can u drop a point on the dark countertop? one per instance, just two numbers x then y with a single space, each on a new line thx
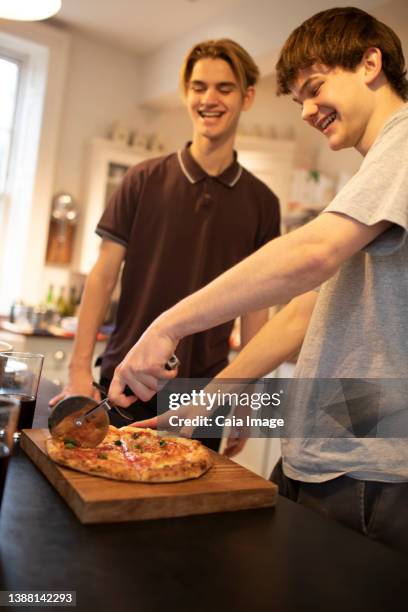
287 559
53 331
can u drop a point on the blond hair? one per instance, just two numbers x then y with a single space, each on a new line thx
241 63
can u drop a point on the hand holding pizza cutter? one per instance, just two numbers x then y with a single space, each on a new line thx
82 421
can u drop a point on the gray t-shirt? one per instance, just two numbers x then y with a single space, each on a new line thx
359 327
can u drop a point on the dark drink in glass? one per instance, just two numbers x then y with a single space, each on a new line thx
27 408
19 377
4 459
9 409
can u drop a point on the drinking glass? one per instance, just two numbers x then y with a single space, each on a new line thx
19 377
9 410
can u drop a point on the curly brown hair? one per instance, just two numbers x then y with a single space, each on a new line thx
241 63
339 37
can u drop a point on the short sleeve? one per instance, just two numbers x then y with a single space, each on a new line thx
117 219
379 190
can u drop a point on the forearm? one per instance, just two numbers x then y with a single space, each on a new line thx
251 324
283 268
280 338
273 275
96 297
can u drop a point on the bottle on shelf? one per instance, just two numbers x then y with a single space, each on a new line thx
49 300
71 303
61 303
78 300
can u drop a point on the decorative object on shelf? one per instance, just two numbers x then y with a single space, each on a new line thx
120 133
140 141
288 133
267 132
155 143
64 214
24 10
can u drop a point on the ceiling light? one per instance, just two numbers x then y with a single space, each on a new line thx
28 10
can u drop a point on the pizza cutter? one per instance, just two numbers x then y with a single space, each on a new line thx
81 421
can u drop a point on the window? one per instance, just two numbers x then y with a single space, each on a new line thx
9 75
9 81
37 55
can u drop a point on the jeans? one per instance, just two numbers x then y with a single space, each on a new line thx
379 510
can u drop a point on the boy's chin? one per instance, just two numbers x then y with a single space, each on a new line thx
335 145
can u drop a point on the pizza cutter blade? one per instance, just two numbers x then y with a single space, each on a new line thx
80 420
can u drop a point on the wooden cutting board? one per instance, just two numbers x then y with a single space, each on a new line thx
226 486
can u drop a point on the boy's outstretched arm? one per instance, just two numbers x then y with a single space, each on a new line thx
283 268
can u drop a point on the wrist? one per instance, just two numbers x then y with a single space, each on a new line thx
80 366
166 325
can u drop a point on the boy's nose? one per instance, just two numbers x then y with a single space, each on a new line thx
209 96
309 110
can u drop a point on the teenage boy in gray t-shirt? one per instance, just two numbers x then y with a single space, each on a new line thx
346 70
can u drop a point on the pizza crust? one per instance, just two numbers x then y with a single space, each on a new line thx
139 455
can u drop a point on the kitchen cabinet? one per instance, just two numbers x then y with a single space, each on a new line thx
108 162
260 455
56 350
270 160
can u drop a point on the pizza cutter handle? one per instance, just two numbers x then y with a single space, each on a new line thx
172 363
128 391
84 417
106 404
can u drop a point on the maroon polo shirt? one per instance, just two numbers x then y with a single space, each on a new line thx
181 229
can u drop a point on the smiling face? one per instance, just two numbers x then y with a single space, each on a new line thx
214 100
338 103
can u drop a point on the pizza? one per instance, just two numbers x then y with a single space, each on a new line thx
139 455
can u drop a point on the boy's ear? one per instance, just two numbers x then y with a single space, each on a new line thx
248 98
372 64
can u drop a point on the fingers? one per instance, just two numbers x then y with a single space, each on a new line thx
144 368
97 395
234 446
186 432
144 385
57 398
150 423
117 394
70 390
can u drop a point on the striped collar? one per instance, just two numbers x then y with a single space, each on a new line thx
195 173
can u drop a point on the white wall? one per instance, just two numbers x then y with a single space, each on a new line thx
102 86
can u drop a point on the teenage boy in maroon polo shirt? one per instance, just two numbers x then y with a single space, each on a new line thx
178 221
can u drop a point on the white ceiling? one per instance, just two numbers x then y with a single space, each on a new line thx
162 30
142 26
